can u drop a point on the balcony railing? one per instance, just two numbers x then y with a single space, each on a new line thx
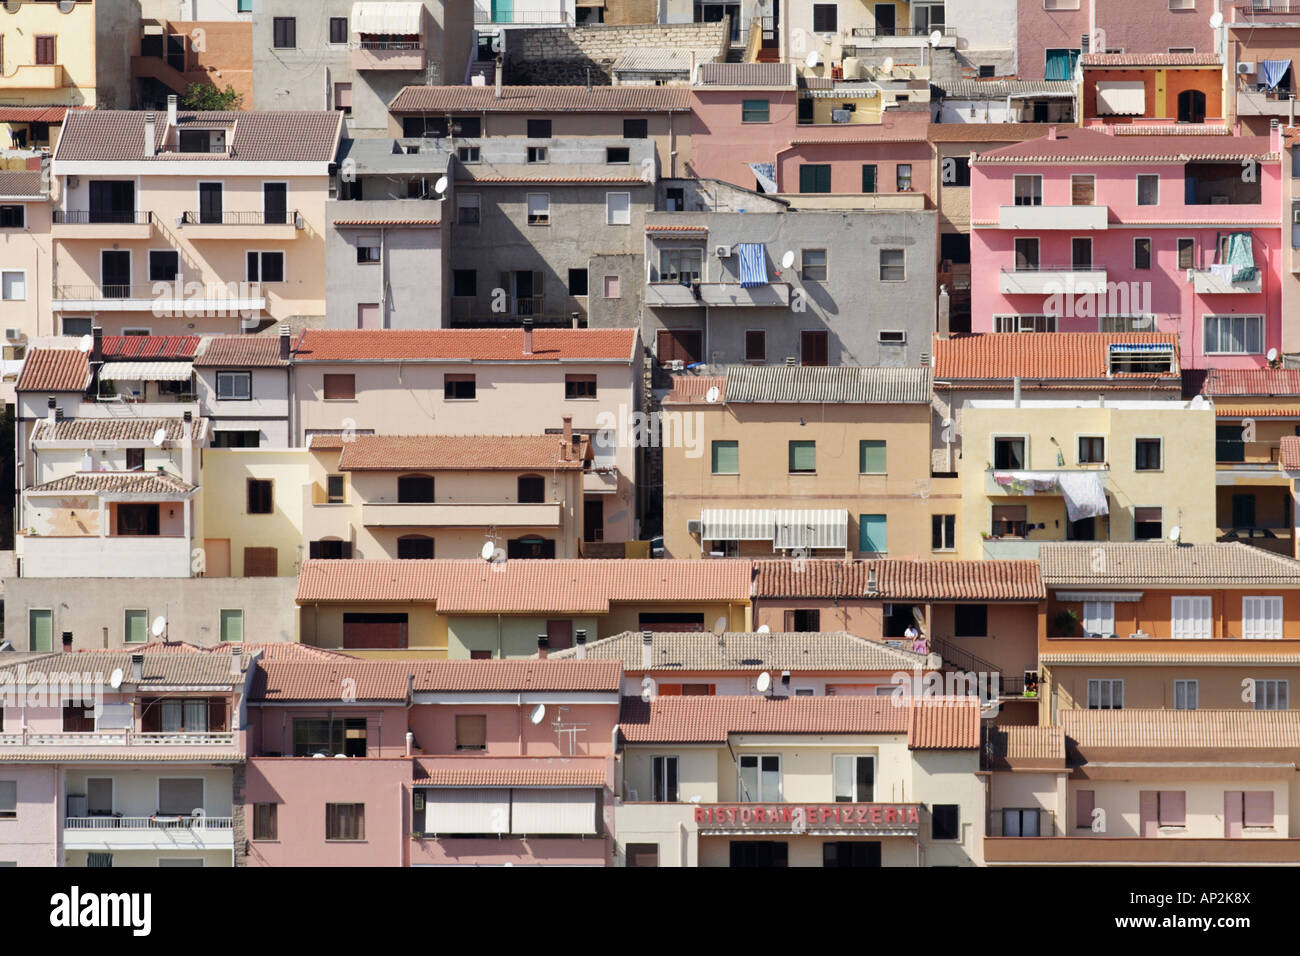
903 31
242 218
121 738
387 45
533 17
85 217
157 822
1047 267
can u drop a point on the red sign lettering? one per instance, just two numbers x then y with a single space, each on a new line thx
864 817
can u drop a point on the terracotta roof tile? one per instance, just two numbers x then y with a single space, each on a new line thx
432 775
116 429
118 482
541 99
1071 356
943 723
521 585
757 75
594 180
983 132
290 680
485 345
1182 730
1289 453
22 182
1254 382
241 351
1160 563
1150 59
460 453
1074 144
387 222
749 651
150 346
900 580
256 135
693 389
1025 747
55 370
133 755
32 114
164 664
1234 413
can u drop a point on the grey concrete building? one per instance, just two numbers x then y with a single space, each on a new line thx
829 286
356 56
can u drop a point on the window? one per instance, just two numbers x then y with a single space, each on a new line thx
1092 450
618 209
1085 801
726 458
1188 4
869 178
1020 823
1147 454
814 265
345 821
755 345
642 854
635 129
414 547
330 549
537 154
815 178
40 630
284 33
136 627
826 18
260 500
531 489
1170 806
681 265
1234 334
471 732
1141 253
1009 453
803 457
943 532
232 625
340 387
75 326
892 265
1080 254
855 779
1148 187
577 282
1028 190
458 388
467 154
1083 190
343 98
872 533
266 267
579 386
8 799
539 209
760 779
368 250
464 283
617 155
415 489
334 487
1026 251
264 821
611 287
1185 694
1105 694
236 438
903 177
956 171
467 209
13 284
663 788
338 30
945 821
970 620
1024 323
317 735
754 111
1261 618
871 457
805 620
135 459
235 386
164 265
1192 618
13 217
1271 694
1186 253
814 347
45 50
1148 524
539 129
675 199
1098 618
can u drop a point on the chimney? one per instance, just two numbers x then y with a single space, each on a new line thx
171 110
284 343
528 336
1274 136
1051 132
52 413
97 343
67 642
137 668
410 743
150 141
872 587
500 64
647 649
236 660
543 644
580 641
567 450
187 447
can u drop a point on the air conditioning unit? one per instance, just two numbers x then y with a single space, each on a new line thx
13 335
839 116
693 526
1243 68
74 182
722 252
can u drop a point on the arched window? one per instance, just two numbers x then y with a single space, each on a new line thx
1191 106
415 546
415 488
532 489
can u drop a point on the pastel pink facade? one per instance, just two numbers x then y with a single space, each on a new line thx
722 146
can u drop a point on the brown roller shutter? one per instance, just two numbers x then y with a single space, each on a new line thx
260 563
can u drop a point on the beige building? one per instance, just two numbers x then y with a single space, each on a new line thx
25 254
804 461
799 781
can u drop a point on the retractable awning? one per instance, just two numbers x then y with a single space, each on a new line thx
146 371
737 524
387 19
1121 98
823 528
1115 597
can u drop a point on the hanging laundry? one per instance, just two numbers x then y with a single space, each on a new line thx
753 264
1085 496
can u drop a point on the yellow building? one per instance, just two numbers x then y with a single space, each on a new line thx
253 511
804 461
47 54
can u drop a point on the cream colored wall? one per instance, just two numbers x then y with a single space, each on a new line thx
225 477
22 82
322 626
625 617
1218 688
28 250
949 776
1119 799
1024 790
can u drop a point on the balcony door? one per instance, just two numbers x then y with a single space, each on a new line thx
275 203
210 202
137 519
45 51
885 20
112 201
115 273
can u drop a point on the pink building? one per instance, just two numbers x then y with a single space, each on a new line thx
450 763
1089 230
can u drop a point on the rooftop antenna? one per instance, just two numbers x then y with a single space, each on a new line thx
588 79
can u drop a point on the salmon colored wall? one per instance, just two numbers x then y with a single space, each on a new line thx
509 730
1153 611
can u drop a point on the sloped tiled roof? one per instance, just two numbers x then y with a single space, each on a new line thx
22 182
485 345
118 482
930 724
1150 59
522 585
1252 382
1182 730
1162 563
1288 456
827 383
177 664
541 99
650 59
983 132
691 389
1025 747
1067 356
32 114
116 429
150 346
459 453
901 580
756 75
286 136
240 351
1000 89
1075 144
55 370
491 776
750 651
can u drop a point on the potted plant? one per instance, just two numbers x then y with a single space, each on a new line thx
1065 622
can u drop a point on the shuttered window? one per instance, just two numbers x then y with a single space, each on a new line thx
1085 801
803 456
1098 618
871 457
466 811
345 821
1261 618
1082 190
1258 810
872 533
726 458
1191 618
553 811
471 732
1172 808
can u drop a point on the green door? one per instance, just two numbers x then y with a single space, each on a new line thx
40 630
503 11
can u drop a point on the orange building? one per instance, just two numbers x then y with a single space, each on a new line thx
1152 89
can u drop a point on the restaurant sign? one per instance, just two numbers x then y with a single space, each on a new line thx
805 817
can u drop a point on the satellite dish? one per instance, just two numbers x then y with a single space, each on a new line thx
497 44
1197 401
487 551
337 756
538 712
888 65
936 38
1175 533
712 394
159 625
812 58
159 437
1272 355
764 629
764 682
85 343
946 423
318 756
1216 19
720 626
440 186
787 260
115 678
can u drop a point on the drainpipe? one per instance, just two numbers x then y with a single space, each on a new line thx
1015 391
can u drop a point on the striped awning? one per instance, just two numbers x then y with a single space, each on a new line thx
737 524
146 371
824 528
1114 597
387 19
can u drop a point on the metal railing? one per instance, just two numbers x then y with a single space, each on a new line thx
289 217
963 660
155 822
902 31
120 738
553 17
1053 267
387 45
111 217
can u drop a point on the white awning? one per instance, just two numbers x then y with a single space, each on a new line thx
466 811
553 811
146 371
737 524
1114 597
387 19
826 528
1121 98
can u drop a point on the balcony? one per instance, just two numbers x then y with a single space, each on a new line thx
101 224
461 515
913 37
1040 218
1052 280
1077 850
732 294
113 556
255 225
511 17
600 482
393 54
120 738
162 299
999 482
1270 103
45 76
148 833
1012 549
672 295
1219 282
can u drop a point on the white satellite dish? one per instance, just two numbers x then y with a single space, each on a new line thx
787 260
337 756
812 58
440 186
1216 19
85 343
712 395
159 437
115 678
159 625
946 423
1175 533
720 626
764 629
318 756
538 712
936 38
1272 355
888 65
487 551
764 682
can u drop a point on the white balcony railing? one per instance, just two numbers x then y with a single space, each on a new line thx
109 822
117 738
